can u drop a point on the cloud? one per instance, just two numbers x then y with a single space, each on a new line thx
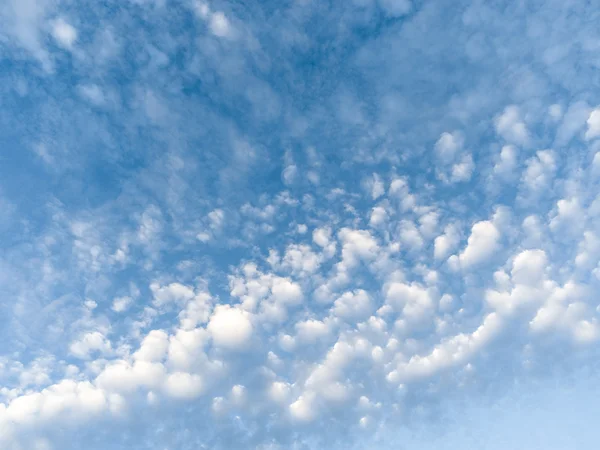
482 243
593 124
64 33
230 328
511 127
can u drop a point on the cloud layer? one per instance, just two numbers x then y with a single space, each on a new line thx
289 225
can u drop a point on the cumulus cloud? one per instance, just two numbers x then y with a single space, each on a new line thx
593 124
511 127
482 243
230 328
64 33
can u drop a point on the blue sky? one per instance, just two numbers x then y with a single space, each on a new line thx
299 224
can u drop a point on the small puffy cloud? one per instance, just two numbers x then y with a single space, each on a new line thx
593 125
455 165
353 305
184 385
573 121
375 186
174 293
357 245
446 242
303 409
219 25
64 33
483 242
507 161
379 217
289 174
452 351
413 300
448 145
90 343
301 259
568 215
217 22
92 93
529 267
230 327
312 330
539 171
511 127
462 170
321 236
121 304
216 219
154 347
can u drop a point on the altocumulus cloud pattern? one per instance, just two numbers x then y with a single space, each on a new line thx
291 224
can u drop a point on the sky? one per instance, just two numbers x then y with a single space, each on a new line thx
299 224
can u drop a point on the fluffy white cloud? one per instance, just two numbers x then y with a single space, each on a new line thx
153 347
64 33
89 343
183 385
121 304
448 145
507 161
445 243
593 125
355 305
481 244
230 327
511 127
453 351
539 171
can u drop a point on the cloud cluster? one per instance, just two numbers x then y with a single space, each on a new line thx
289 226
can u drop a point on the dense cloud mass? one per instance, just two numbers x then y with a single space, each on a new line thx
297 224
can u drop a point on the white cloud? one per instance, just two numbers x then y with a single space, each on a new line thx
462 170
375 186
448 145
539 171
412 300
154 347
378 217
593 125
183 385
230 327
446 242
481 244
289 174
174 293
92 93
311 330
303 409
64 33
573 121
507 162
121 304
219 25
354 305
511 127
453 351
529 267
89 343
